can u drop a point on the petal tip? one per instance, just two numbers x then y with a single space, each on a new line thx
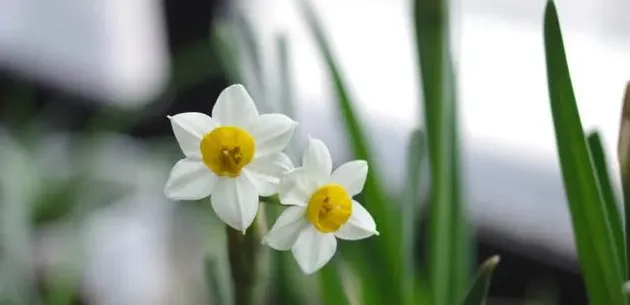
168 193
306 271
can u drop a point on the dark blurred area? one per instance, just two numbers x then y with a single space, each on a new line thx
189 24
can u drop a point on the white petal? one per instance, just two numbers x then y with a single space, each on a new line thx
360 225
295 187
287 228
351 176
265 172
190 180
317 161
189 128
272 133
314 249
235 107
235 201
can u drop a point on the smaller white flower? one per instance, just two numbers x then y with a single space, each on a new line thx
322 208
233 156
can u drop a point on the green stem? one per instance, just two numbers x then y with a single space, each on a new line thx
271 200
242 251
245 253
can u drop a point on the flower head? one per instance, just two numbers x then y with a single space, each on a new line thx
233 156
322 208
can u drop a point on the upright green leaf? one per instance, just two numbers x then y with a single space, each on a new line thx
608 195
479 290
594 240
623 155
212 280
251 46
408 212
384 254
286 88
332 289
449 255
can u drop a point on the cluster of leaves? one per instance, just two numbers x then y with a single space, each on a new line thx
597 221
385 266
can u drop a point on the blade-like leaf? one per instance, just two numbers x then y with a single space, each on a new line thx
212 280
408 211
251 46
608 195
331 285
384 253
449 254
479 290
623 155
593 237
286 87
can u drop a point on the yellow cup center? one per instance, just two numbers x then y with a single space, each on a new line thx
329 208
227 149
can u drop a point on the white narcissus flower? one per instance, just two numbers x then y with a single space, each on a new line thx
322 208
233 156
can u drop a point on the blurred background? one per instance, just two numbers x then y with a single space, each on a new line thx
85 148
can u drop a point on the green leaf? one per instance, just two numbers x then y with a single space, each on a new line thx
251 47
61 291
408 211
449 257
212 280
608 195
479 290
226 52
623 156
380 255
286 86
594 240
332 289
193 65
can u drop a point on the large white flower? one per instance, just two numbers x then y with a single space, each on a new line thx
233 156
322 208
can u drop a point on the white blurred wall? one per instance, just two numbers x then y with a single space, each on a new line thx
108 50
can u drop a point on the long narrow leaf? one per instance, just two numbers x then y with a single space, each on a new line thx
595 244
332 287
608 195
623 155
286 88
384 254
479 290
448 257
212 280
408 211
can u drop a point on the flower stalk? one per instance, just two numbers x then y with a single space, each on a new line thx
245 254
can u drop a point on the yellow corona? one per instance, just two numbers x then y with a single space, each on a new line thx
329 208
227 149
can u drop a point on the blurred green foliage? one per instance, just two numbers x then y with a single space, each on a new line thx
449 253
